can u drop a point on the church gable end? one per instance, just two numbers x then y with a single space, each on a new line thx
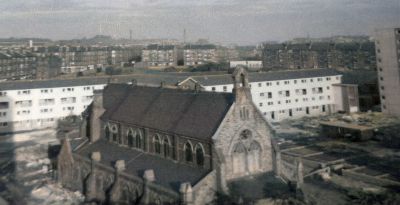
243 141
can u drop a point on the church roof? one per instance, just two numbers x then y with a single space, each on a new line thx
183 112
167 173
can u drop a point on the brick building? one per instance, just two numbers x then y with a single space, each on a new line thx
351 55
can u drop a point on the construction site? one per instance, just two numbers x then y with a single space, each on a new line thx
332 157
335 159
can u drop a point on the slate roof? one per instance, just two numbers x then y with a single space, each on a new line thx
266 76
183 112
160 47
300 46
359 77
167 173
142 79
274 46
200 46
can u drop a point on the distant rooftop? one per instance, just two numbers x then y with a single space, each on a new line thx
160 47
208 80
199 46
141 79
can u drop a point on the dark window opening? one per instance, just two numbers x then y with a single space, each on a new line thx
138 141
107 131
188 152
88 127
166 148
114 137
199 156
157 145
131 139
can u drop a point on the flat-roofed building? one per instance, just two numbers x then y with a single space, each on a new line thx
194 55
250 65
160 55
38 104
387 46
283 95
17 65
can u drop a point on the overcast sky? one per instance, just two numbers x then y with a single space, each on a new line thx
225 21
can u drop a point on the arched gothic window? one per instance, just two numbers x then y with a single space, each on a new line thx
157 144
131 138
254 156
107 132
139 139
114 131
166 147
239 159
255 146
199 155
188 152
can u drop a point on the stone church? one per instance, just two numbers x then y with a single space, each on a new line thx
157 145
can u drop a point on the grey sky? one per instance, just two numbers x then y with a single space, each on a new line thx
226 21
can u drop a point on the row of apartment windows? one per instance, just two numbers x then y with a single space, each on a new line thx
298 92
287 82
27 122
296 100
44 91
45 110
23 112
24 92
42 102
69 108
225 88
23 103
290 111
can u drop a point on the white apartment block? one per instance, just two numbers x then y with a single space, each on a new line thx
39 104
251 65
286 94
194 55
387 46
160 56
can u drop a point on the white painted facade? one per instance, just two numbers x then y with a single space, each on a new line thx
248 64
194 57
39 108
292 98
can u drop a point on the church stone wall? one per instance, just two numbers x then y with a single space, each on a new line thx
243 141
131 189
205 190
229 136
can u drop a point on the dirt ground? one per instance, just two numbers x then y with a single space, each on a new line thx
26 170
